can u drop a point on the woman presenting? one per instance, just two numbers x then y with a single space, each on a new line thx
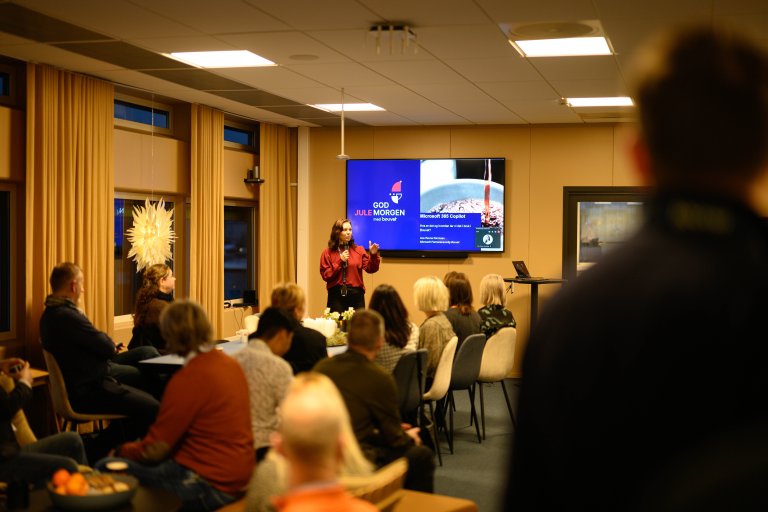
341 266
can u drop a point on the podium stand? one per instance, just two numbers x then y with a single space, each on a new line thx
534 282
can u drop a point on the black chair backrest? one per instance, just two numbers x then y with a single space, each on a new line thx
410 376
466 364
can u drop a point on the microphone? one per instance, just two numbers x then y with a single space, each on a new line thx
345 247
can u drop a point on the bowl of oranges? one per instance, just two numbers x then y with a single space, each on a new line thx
90 491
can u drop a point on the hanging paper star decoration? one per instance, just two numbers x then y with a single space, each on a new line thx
151 235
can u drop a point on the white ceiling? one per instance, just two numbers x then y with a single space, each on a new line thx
463 71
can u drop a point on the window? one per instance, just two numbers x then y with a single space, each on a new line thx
239 243
5 84
127 280
238 136
5 261
241 136
142 114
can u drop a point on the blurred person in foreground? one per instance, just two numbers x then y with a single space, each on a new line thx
201 446
314 447
644 383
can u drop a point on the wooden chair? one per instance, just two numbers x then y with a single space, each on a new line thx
439 388
382 487
498 360
61 406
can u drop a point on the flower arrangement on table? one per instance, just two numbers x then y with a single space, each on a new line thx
342 320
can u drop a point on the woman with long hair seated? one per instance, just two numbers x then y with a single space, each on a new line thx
400 335
463 317
431 297
493 314
155 294
200 447
270 478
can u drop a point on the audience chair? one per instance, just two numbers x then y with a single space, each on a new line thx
61 406
382 487
439 389
466 368
498 360
410 376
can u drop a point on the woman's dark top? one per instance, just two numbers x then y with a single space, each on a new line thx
147 333
494 317
463 325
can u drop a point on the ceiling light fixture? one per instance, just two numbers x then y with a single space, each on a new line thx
225 59
349 107
342 155
613 101
391 35
562 47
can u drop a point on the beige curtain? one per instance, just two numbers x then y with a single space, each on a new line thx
277 208
70 191
206 270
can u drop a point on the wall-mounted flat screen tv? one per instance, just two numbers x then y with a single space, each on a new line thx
446 207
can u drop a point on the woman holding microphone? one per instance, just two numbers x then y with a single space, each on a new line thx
341 267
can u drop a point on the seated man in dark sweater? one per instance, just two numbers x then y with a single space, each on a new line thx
84 354
308 346
370 394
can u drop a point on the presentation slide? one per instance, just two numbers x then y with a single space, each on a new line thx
427 205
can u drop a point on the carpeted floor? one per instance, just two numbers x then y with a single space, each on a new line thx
478 471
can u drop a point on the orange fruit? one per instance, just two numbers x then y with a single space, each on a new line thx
61 489
60 477
77 485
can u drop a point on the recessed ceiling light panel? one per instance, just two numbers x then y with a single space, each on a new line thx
225 59
348 107
613 101
562 47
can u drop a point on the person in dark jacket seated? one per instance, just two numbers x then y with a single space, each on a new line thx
36 462
84 355
308 345
370 393
155 294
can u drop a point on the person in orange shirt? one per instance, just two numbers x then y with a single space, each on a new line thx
201 445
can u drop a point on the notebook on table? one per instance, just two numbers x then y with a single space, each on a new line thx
522 270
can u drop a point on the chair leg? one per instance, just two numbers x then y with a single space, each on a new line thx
473 411
433 433
482 408
509 406
449 432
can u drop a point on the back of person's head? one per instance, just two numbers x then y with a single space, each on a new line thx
353 460
272 321
452 275
311 422
387 302
185 327
702 96
62 275
366 329
460 293
430 294
492 290
288 296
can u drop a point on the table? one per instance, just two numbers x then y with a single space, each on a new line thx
534 282
414 501
146 499
174 361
